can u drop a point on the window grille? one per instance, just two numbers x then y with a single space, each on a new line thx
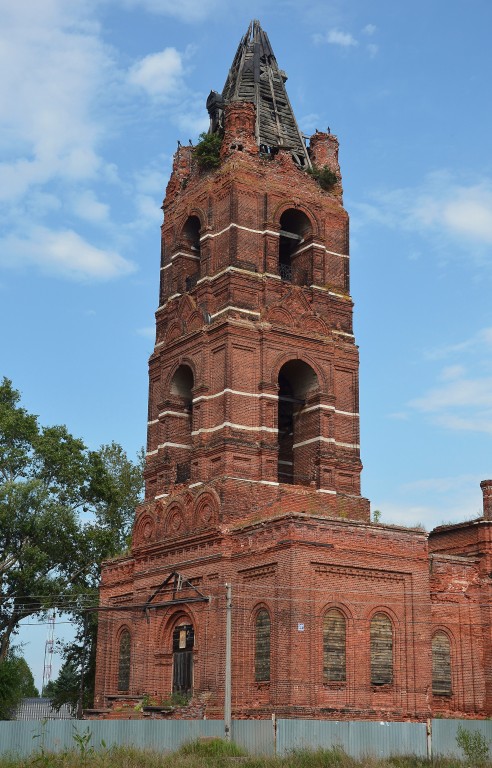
262 646
124 661
183 472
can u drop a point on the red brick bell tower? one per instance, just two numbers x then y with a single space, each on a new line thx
253 462
254 378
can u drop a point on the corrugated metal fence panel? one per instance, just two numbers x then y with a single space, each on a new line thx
24 738
255 736
357 738
444 734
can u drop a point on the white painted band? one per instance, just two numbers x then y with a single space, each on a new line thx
234 392
234 426
326 440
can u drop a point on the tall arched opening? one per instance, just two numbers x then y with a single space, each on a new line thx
295 227
181 389
298 425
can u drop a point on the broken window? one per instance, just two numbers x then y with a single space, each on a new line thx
334 646
183 642
441 665
262 646
381 650
124 661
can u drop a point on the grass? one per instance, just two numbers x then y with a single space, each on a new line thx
216 753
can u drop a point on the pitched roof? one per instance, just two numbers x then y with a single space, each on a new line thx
41 709
255 76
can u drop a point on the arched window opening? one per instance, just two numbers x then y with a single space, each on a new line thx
296 449
334 647
181 389
190 236
183 643
124 662
295 227
262 646
441 665
381 650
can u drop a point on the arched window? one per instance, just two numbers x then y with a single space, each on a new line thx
294 228
296 428
381 650
441 665
124 661
262 646
334 646
190 238
183 642
181 389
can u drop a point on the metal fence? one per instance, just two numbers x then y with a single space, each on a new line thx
258 737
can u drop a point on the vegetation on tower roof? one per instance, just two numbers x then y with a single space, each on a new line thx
207 151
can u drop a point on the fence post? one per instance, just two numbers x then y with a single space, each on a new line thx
228 668
429 738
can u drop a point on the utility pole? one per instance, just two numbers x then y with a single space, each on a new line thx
228 664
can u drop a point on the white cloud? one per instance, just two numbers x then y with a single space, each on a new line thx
372 50
55 63
186 10
369 29
479 341
87 207
64 254
158 74
461 392
309 123
443 207
336 37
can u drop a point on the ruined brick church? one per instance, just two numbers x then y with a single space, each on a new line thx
253 464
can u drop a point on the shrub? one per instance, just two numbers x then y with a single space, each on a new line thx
325 177
207 151
474 746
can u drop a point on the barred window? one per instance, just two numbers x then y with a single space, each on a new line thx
124 661
381 650
334 646
262 646
441 665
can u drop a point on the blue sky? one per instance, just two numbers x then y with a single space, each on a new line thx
93 97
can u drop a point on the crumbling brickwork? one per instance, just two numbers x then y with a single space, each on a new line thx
253 473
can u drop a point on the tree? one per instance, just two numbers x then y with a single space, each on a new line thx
63 509
16 683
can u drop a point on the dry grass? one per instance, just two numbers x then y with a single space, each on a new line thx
214 753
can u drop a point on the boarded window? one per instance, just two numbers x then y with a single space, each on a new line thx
441 665
262 646
334 654
124 662
381 650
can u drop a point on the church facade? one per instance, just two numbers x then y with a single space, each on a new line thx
253 461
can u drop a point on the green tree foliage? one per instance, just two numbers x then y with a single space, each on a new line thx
63 510
16 683
207 151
